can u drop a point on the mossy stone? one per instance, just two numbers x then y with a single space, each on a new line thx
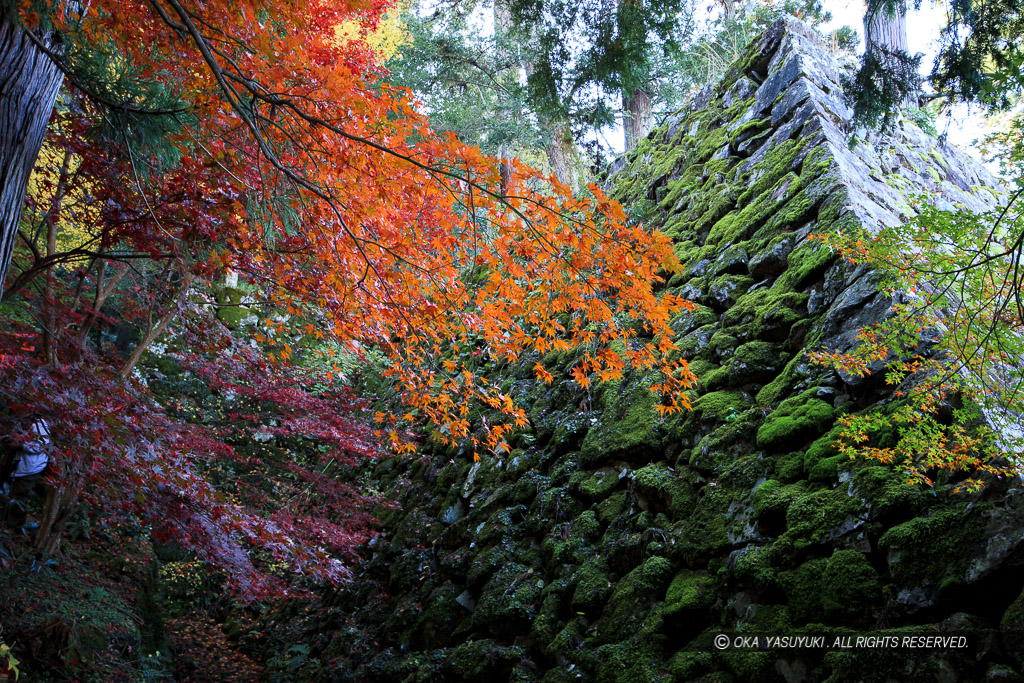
1011 627
596 485
612 507
914 545
659 484
774 497
586 526
803 590
690 595
593 585
821 515
790 467
795 420
629 607
850 587
229 306
632 661
627 421
755 361
720 406
509 600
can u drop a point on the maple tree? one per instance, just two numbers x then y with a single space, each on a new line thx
207 138
951 346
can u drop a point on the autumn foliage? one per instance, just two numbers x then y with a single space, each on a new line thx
951 346
244 137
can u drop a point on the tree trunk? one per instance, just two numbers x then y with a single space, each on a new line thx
888 32
29 81
154 330
637 117
61 503
564 156
503 28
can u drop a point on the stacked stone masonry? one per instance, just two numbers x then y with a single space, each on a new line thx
613 545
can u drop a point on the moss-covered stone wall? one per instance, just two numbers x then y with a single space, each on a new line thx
613 545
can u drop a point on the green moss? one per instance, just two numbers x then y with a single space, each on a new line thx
586 526
769 173
687 321
822 460
629 608
914 546
803 590
660 485
1011 626
87 628
795 420
509 600
720 406
690 595
755 361
773 391
722 341
747 665
484 659
886 491
774 497
766 314
744 129
790 467
613 507
753 566
633 661
850 587
807 264
718 208
547 624
822 515
593 585
690 664
229 306
706 531
594 486
626 421
486 563
727 289
843 588
441 616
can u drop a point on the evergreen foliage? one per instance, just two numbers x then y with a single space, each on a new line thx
980 59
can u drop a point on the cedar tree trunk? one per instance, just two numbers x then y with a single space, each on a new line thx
29 81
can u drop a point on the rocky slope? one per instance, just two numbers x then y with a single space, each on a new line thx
613 545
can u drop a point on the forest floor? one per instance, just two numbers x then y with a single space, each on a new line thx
112 607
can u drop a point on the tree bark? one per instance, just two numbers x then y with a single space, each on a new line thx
61 503
29 82
564 156
503 28
883 30
889 33
637 117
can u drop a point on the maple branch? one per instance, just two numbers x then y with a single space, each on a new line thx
154 331
103 291
234 101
